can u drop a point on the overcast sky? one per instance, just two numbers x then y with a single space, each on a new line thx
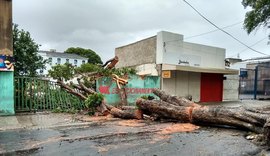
103 25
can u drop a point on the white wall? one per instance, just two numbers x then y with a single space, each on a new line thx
231 88
183 84
171 49
147 69
49 65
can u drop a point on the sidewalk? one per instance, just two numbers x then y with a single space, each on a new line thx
245 103
39 121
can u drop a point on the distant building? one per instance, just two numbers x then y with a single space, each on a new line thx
255 78
56 58
186 69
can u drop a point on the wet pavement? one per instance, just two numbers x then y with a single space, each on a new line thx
66 134
126 138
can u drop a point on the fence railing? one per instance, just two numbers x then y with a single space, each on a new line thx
255 83
35 94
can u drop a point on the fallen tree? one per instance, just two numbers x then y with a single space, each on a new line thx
183 110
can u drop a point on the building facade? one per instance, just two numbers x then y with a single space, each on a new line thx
6 59
55 58
186 69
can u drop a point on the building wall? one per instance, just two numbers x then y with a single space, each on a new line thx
138 53
171 49
183 84
231 87
6 77
137 86
55 62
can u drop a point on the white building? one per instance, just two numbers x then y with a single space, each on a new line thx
56 58
186 69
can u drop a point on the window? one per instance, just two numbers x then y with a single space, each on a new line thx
67 60
58 60
83 62
75 62
50 61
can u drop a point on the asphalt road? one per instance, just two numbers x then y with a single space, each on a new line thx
119 138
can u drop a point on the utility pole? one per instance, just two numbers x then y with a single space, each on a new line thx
6 59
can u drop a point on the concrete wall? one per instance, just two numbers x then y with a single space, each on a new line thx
231 88
147 69
6 48
136 87
183 84
172 49
138 53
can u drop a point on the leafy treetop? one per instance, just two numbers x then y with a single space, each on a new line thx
259 15
92 56
27 60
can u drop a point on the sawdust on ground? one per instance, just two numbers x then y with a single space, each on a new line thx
178 127
132 123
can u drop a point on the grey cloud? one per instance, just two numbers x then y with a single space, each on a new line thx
103 25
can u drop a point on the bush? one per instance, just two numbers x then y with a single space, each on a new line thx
94 100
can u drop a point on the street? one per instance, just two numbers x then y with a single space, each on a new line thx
127 137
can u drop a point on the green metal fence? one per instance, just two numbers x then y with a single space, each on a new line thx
35 94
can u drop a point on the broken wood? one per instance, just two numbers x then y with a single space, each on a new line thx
125 114
84 88
70 90
110 63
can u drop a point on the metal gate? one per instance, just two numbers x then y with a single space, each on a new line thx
35 94
255 83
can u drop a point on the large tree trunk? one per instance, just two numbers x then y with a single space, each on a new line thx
127 113
184 110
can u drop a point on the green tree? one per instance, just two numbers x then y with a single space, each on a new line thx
27 60
62 72
258 16
92 56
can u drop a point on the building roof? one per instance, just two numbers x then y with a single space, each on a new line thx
62 55
200 69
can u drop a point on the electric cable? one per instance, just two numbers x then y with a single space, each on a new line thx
223 30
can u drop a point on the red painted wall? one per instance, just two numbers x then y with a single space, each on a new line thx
211 87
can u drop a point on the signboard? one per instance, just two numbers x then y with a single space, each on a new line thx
136 87
182 59
6 63
166 74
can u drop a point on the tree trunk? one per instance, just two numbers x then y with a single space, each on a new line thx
70 90
125 114
184 110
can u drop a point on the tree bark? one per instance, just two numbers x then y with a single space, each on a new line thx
84 88
183 110
70 90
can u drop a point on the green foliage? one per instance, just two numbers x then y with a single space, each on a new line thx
147 97
25 53
62 72
94 100
259 15
92 56
72 110
123 71
85 68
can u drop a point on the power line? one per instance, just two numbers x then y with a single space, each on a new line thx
250 46
205 33
223 30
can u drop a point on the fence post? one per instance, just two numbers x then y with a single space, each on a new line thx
255 83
